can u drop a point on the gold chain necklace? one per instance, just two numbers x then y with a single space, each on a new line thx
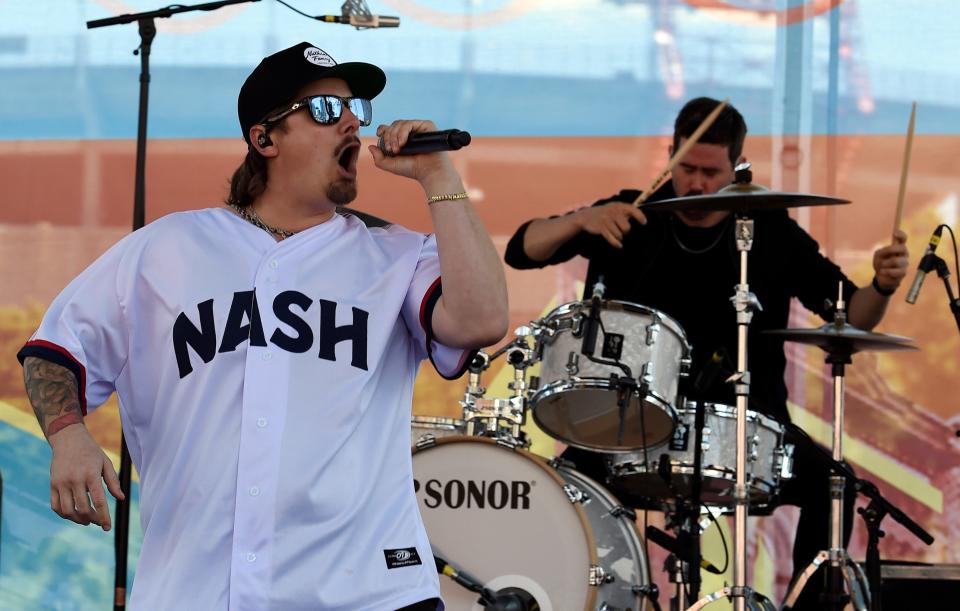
700 251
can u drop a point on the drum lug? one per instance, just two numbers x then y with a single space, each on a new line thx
647 373
427 441
576 495
533 384
576 325
685 365
653 330
705 440
754 452
784 461
573 364
598 576
620 511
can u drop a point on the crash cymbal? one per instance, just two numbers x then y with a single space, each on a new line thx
740 199
845 339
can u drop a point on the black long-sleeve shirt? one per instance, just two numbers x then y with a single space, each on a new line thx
689 273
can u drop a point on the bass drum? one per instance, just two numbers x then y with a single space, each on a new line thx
510 520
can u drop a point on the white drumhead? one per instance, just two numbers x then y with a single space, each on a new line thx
503 517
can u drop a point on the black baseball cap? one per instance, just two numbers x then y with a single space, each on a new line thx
276 80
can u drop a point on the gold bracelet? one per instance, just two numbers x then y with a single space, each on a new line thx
446 197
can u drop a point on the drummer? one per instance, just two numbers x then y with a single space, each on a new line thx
685 264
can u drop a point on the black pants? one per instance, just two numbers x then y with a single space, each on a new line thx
431 604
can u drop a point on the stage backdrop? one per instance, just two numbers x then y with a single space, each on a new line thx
568 101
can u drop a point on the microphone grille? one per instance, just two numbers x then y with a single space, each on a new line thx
461 138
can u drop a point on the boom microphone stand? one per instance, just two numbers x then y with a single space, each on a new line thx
872 515
148 30
944 272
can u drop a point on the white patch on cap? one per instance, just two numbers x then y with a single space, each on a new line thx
318 57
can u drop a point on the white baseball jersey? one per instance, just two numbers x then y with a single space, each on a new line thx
265 392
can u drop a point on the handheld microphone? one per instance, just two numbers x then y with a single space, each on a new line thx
430 142
673 546
926 264
362 21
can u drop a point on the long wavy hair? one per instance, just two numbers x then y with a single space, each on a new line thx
248 181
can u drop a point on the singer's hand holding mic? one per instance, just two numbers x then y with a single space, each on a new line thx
409 148
890 264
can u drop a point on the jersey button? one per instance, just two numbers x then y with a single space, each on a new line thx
254 491
251 557
261 423
274 264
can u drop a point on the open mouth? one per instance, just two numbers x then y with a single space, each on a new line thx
347 159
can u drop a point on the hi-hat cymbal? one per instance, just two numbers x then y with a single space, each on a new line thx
845 339
742 200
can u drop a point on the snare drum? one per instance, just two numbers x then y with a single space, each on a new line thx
435 427
509 519
769 461
577 401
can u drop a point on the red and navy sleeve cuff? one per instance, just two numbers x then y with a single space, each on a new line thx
53 353
430 299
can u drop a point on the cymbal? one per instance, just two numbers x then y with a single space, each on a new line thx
741 199
845 339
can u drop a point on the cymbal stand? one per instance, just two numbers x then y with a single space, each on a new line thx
745 303
840 568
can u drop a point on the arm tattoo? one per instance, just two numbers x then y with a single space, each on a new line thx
53 394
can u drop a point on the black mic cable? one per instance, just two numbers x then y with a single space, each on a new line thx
463 579
673 546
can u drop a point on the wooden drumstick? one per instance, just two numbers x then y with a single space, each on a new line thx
906 167
679 153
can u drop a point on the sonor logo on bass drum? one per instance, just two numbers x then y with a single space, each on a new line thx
473 494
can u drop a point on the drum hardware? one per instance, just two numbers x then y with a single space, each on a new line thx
593 319
507 599
873 514
840 341
609 374
576 495
745 303
878 508
500 418
436 427
598 576
512 544
651 592
426 441
671 473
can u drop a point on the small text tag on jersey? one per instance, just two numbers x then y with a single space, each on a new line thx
397 558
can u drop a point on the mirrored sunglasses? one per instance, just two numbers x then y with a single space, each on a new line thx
327 109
